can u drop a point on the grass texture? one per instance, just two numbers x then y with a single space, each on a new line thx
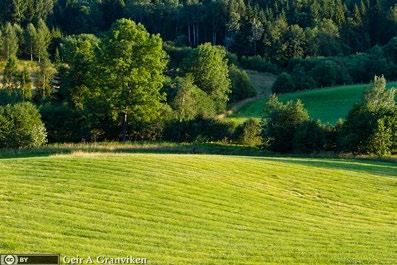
326 104
200 209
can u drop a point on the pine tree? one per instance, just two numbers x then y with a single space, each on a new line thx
44 79
10 41
42 40
30 39
11 74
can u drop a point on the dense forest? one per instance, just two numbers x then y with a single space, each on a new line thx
276 30
164 69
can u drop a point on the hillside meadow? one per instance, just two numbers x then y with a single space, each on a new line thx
198 208
326 104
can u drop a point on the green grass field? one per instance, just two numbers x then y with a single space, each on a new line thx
326 104
200 209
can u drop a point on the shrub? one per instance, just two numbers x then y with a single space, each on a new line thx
189 101
241 84
302 80
65 124
390 49
329 73
199 129
309 137
21 126
371 126
258 63
283 84
249 133
280 123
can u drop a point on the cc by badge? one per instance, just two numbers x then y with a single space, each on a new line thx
9 260
29 259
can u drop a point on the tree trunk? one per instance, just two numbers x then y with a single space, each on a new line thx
124 128
194 35
197 38
188 33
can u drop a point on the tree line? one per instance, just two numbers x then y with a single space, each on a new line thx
125 83
276 30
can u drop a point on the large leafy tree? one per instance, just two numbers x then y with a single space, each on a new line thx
130 68
78 54
211 74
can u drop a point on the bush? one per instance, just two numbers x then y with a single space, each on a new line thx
390 49
199 129
283 84
258 63
371 126
329 73
241 84
249 133
310 137
188 101
65 124
280 123
21 126
302 80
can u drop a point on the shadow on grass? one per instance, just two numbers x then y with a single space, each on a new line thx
154 148
384 167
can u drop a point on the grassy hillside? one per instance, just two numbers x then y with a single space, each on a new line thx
262 82
200 209
326 104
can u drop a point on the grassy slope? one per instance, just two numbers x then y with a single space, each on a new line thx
262 82
326 104
200 209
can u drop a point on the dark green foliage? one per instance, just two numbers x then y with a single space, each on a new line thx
78 54
23 11
302 80
199 129
9 41
64 124
258 63
329 73
21 126
249 133
241 84
390 49
11 74
280 123
310 136
371 126
283 84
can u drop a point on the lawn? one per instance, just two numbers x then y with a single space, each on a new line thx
200 209
326 104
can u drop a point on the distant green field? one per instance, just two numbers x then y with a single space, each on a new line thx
326 104
200 209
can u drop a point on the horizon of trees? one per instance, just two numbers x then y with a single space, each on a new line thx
124 82
276 30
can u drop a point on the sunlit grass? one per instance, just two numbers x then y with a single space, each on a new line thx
326 104
200 209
